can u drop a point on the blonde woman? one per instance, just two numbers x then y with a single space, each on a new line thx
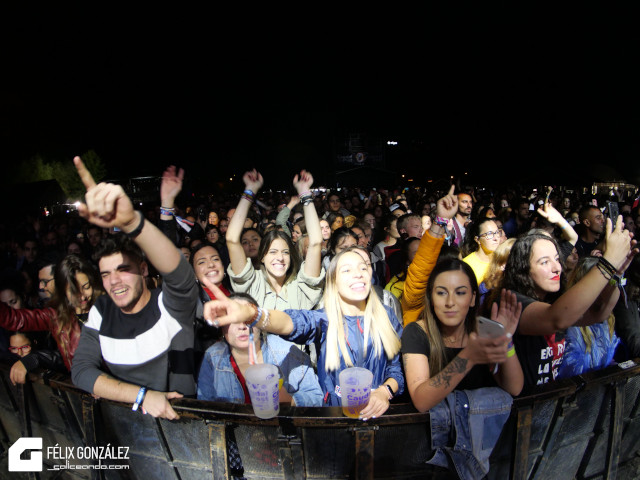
353 329
588 347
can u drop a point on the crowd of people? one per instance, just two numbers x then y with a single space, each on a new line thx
179 299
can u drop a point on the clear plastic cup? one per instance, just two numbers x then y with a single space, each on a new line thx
355 390
263 385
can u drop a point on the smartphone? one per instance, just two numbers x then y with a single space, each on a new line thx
613 211
488 328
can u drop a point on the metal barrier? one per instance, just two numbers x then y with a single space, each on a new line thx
584 427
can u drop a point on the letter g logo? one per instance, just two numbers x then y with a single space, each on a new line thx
34 464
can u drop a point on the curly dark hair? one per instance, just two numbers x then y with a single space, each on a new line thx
516 272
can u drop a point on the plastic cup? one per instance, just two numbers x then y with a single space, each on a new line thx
262 382
355 390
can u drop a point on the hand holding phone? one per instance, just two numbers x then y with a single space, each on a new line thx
488 328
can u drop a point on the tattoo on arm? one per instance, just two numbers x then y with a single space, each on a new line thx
443 379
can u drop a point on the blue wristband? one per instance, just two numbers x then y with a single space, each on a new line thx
140 398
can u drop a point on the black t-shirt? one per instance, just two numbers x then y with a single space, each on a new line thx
584 249
415 340
540 355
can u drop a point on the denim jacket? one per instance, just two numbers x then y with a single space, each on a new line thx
465 427
218 382
310 326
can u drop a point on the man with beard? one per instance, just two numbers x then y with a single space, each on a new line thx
143 337
465 204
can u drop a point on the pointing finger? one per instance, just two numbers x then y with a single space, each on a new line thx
85 175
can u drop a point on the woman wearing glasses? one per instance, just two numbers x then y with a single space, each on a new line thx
482 237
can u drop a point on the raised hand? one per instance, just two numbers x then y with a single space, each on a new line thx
223 310
619 245
509 311
107 205
171 184
303 181
447 206
253 180
549 212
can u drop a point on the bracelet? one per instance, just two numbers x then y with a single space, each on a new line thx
140 398
391 394
438 235
247 197
442 221
607 264
306 198
265 320
564 227
138 229
256 317
511 352
170 212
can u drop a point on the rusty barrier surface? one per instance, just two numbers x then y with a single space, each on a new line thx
584 427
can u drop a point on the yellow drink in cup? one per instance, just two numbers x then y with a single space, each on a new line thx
355 390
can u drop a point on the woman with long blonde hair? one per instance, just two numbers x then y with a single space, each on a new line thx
353 329
589 347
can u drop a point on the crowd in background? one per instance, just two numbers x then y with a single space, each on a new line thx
390 279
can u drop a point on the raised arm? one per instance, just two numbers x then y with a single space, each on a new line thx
252 183
573 307
313 260
554 217
107 205
170 187
420 269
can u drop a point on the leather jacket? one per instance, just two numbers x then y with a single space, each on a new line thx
42 319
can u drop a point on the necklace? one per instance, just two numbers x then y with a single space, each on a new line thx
453 341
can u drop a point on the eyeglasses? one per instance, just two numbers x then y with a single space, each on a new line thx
23 348
45 282
490 235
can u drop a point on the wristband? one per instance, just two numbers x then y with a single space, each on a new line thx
265 320
138 229
140 398
511 352
170 212
391 394
256 317
442 221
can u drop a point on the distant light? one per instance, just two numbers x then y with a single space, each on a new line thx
392 142
402 175
452 177
231 179
77 204
410 180
465 173
140 203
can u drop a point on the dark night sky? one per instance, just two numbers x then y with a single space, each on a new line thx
494 92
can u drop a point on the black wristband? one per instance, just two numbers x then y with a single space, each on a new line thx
138 229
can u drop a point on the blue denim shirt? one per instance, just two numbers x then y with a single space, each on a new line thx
218 382
310 326
465 427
